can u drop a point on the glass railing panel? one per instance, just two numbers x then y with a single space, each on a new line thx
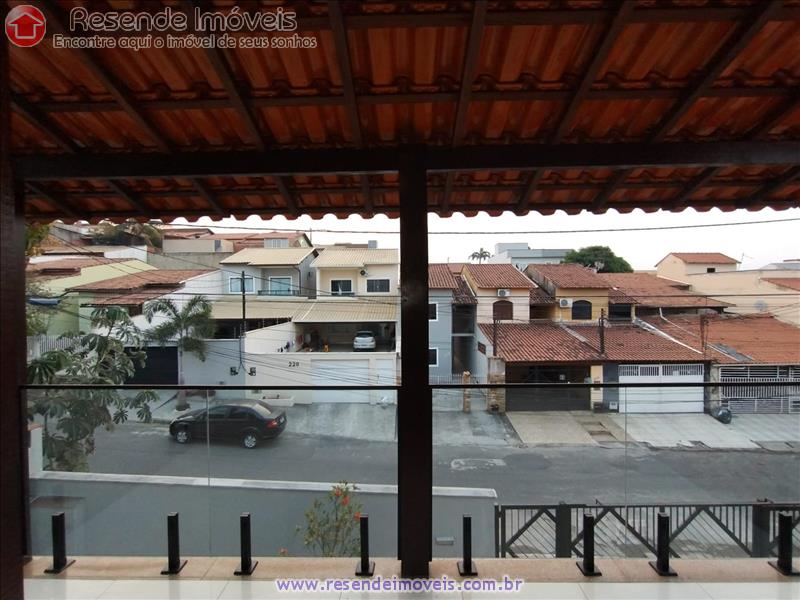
306 463
115 462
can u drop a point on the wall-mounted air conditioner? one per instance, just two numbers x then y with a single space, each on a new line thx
565 302
503 293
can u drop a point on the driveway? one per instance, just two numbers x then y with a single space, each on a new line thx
746 432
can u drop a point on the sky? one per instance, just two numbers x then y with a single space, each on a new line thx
753 244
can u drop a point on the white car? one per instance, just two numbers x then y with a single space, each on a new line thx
364 340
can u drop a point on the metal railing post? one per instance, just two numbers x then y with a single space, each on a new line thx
366 567
784 562
760 522
563 531
60 561
586 565
174 562
247 565
466 568
661 564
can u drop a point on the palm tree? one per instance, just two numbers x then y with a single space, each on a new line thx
480 255
189 326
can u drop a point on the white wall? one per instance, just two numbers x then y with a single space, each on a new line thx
126 515
390 272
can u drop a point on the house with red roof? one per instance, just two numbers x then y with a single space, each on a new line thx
451 324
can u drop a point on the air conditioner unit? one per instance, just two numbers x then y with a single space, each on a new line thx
565 302
503 293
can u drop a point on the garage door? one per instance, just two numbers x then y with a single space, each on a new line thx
658 399
340 372
547 399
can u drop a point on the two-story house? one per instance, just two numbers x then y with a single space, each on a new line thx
451 323
271 272
343 272
502 291
579 293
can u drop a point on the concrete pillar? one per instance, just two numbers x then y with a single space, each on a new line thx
496 398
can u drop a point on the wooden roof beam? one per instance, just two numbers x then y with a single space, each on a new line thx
599 56
348 88
771 187
57 201
471 55
209 196
130 197
43 122
730 50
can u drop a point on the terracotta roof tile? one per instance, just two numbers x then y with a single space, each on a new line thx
549 342
568 275
714 258
497 276
737 338
540 297
441 277
65 267
648 290
793 283
141 280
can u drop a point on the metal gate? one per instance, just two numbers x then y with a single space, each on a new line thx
625 531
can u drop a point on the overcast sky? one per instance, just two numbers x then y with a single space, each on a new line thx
754 244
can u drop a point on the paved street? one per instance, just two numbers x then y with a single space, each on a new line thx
544 474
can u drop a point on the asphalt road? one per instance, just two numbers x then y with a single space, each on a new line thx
546 474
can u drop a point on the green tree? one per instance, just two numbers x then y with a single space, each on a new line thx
71 416
35 234
600 257
37 317
480 255
129 232
331 524
188 326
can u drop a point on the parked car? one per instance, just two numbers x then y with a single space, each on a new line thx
364 340
249 422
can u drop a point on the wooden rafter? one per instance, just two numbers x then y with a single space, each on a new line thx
43 122
130 197
732 47
471 55
57 201
209 196
599 56
348 88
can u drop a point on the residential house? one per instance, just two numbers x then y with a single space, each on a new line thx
502 291
271 272
680 265
747 291
521 255
641 294
362 272
451 323
578 293
743 348
572 352
55 276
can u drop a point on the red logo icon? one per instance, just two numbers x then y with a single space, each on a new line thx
25 26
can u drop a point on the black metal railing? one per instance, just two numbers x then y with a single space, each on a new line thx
697 530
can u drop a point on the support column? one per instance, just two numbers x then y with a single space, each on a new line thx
414 404
12 353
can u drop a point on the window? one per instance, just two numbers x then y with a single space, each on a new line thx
240 412
276 243
502 310
280 286
433 312
581 310
378 286
341 287
235 285
433 357
711 269
217 413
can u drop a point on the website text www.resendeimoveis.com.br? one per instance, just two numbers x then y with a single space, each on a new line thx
399 584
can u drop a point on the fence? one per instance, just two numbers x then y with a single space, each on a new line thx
772 397
697 530
39 344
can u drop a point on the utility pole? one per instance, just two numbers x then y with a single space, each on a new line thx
494 337
244 309
602 331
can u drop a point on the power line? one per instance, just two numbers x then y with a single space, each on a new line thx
528 232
